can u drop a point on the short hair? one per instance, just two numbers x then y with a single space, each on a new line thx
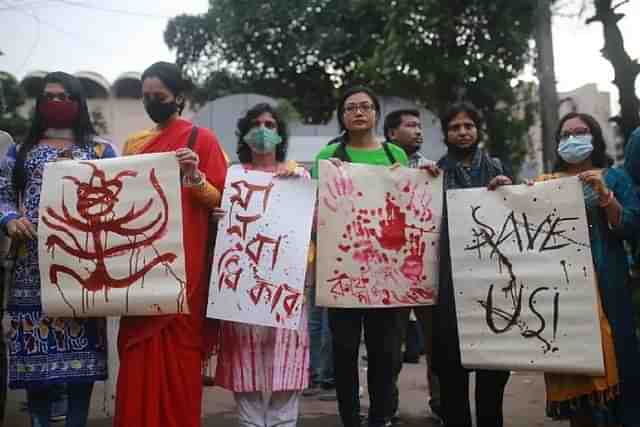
352 91
599 157
394 119
462 107
245 124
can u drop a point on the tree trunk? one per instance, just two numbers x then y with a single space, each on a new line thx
626 69
547 90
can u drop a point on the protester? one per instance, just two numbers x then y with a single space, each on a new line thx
465 165
358 114
45 352
256 360
632 167
6 141
613 213
322 382
403 128
160 383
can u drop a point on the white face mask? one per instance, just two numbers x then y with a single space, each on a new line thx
575 149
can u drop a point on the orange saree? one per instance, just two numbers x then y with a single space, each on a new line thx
159 382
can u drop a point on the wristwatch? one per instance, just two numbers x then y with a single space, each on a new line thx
191 181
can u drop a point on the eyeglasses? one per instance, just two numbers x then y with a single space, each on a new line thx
60 96
364 108
575 132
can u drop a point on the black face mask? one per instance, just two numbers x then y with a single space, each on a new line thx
159 111
459 152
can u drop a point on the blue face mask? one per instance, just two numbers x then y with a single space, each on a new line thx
575 149
262 140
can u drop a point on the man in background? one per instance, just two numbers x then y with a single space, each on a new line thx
404 129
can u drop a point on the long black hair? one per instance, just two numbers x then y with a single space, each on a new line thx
462 107
352 91
599 157
246 123
83 130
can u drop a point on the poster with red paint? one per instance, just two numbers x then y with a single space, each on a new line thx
110 237
525 291
378 234
262 246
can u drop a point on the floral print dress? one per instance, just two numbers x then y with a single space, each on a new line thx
44 350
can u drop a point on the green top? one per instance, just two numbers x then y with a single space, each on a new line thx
360 155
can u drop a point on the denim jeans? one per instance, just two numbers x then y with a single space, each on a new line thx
321 355
40 401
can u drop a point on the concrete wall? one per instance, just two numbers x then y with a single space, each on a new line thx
221 115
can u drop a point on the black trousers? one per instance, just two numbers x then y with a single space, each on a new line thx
454 395
425 319
382 333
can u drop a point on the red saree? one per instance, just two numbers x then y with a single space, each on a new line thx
159 381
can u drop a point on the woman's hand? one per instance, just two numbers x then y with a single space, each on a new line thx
218 213
431 168
335 161
594 179
498 181
21 229
287 170
188 161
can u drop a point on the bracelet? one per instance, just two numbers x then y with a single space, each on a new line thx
608 201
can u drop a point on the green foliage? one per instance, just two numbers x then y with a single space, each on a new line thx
287 111
430 51
99 122
12 97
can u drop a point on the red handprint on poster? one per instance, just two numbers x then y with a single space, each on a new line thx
378 236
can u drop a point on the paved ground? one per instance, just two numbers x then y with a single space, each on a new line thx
524 405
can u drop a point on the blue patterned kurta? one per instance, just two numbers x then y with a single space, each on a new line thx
613 282
44 350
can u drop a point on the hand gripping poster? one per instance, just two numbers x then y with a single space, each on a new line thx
524 281
110 237
262 248
378 234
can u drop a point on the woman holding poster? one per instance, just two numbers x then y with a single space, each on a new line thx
465 165
46 352
255 359
160 382
358 114
613 213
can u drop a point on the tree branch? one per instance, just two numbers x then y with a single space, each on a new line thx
623 2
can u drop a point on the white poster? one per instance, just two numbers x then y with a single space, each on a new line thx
378 234
523 278
110 237
261 250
